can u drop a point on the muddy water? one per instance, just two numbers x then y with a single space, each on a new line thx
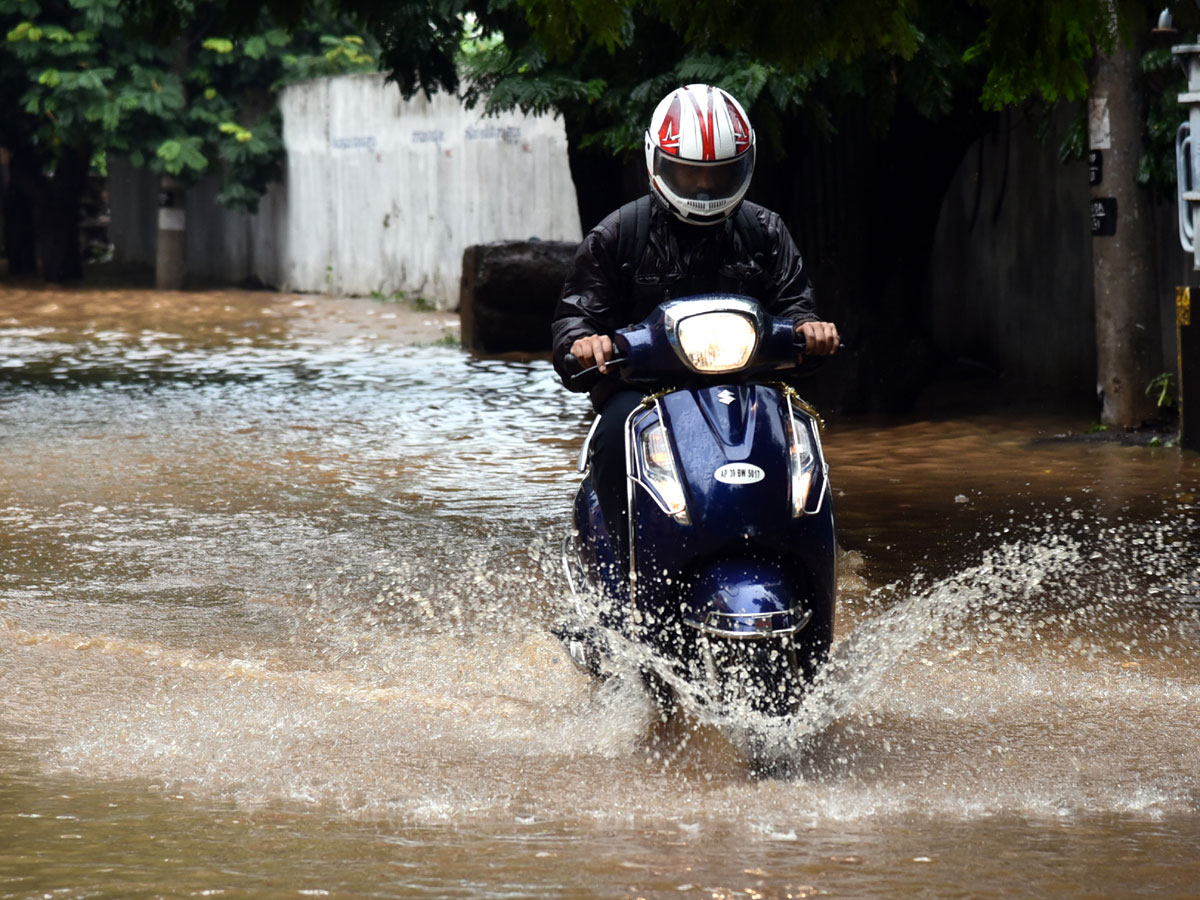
275 576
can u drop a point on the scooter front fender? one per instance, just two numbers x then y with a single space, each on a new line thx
745 598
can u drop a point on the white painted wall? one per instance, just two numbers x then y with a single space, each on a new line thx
380 194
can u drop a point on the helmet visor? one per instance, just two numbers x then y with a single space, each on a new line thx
701 183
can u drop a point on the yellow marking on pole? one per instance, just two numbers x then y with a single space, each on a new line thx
1183 305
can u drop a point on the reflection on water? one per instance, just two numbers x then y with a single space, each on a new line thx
275 576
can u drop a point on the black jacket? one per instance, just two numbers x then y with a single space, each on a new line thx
603 293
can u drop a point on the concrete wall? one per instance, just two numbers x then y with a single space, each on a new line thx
380 194
1012 264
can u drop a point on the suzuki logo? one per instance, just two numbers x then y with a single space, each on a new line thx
726 396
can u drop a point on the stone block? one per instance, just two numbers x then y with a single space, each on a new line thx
508 293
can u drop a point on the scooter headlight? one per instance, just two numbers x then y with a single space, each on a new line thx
803 465
717 341
656 466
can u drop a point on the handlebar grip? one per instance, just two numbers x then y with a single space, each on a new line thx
801 344
578 375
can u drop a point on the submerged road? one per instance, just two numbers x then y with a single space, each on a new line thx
275 578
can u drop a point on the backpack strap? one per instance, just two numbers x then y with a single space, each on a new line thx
633 233
752 231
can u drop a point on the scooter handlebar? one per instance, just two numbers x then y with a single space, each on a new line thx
579 376
627 341
801 344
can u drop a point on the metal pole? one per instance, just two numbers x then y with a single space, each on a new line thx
1187 333
1192 100
1188 151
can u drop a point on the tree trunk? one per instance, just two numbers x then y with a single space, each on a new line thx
58 216
1128 339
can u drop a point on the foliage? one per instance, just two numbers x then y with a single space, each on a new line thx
604 62
1041 48
805 60
449 338
416 301
1165 81
610 73
1162 389
204 101
601 63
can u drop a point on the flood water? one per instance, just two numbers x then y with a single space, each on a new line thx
276 574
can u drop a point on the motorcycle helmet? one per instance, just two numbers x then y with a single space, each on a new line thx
700 153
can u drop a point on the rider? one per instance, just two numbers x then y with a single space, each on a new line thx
693 234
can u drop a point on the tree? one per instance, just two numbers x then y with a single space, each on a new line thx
78 88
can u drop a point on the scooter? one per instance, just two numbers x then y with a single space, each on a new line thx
726 575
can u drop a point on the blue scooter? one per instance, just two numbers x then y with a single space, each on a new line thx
727 573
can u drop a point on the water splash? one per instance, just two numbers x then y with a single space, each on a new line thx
1077 597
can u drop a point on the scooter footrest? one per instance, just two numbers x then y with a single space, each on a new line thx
586 647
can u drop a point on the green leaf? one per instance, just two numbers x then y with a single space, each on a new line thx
25 31
239 133
58 34
182 155
218 45
192 156
256 47
50 78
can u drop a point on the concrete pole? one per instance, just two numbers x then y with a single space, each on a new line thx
170 264
170 255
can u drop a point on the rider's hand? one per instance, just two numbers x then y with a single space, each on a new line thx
820 338
593 350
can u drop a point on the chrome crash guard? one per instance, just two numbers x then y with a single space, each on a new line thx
745 600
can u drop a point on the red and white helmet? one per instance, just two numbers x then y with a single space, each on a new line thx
700 153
